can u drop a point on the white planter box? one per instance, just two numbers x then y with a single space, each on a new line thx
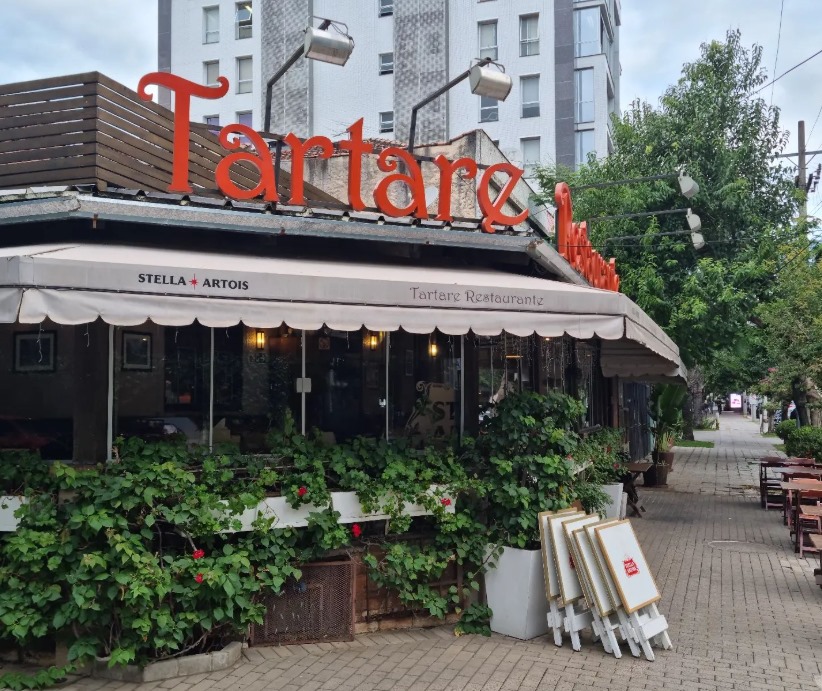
8 505
516 593
346 503
615 508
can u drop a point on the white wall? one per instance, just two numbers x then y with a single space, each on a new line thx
188 52
464 46
342 95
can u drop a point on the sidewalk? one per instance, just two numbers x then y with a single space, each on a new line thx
744 611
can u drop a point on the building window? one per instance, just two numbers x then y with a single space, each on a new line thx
387 121
244 118
489 109
529 90
530 155
584 146
584 96
243 75
386 63
213 121
211 24
586 32
243 20
529 35
386 8
211 71
488 40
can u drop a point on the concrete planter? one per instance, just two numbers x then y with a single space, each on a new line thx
8 505
614 507
515 588
168 669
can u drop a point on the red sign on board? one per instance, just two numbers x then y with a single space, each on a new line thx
631 569
252 149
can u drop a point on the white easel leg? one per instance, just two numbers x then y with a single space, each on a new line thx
555 622
627 632
643 641
662 639
575 622
610 628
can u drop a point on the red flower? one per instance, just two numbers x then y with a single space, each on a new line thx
607 449
199 578
302 491
356 531
198 554
570 457
445 501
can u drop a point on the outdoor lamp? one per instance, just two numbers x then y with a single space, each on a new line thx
334 47
488 82
698 240
693 221
433 349
373 341
260 340
687 185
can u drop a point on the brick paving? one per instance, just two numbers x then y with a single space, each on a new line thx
743 610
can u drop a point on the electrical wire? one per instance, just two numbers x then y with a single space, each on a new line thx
788 71
778 41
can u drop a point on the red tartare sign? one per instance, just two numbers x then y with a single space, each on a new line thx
631 569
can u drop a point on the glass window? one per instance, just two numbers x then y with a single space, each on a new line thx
587 32
387 121
530 155
529 35
243 20
213 121
584 146
489 109
211 70
529 90
386 8
584 96
211 24
386 63
488 40
244 75
244 118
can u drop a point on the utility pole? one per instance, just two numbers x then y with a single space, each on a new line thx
802 172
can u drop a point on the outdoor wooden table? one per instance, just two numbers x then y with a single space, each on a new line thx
766 482
800 470
806 511
630 486
793 507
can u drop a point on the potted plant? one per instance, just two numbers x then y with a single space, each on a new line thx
525 454
602 473
666 423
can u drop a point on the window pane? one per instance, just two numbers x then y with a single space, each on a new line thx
211 24
213 121
488 40
529 35
386 7
529 87
244 73
386 63
586 32
244 118
387 121
530 155
243 20
489 109
584 96
212 71
584 145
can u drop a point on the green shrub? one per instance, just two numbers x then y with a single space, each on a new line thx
804 442
785 429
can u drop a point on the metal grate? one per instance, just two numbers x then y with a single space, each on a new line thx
318 607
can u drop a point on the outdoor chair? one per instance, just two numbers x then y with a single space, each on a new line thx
808 522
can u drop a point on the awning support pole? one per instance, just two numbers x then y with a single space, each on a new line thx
462 387
110 403
387 363
302 394
211 394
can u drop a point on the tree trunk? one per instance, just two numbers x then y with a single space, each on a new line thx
801 400
814 402
692 409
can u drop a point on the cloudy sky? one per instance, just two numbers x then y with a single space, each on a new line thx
40 38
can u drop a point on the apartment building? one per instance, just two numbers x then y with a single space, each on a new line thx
562 55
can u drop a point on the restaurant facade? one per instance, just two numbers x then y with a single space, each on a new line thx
162 279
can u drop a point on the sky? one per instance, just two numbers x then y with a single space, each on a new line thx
43 38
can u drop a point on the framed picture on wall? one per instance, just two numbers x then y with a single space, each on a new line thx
34 351
136 351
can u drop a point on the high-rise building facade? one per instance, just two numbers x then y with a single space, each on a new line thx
562 55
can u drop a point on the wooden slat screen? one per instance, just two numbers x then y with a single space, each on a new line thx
88 129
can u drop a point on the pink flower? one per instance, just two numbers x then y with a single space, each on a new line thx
198 554
445 501
356 531
302 491
199 578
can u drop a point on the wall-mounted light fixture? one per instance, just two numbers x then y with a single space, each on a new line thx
372 340
260 340
433 348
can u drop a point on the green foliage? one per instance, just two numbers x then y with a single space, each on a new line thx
786 429
666 414
475 619
804 442
22 471
694 444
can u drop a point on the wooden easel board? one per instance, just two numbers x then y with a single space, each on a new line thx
548 567
559 549
610 586
627 565
570 587
586 559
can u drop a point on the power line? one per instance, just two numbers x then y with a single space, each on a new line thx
813 127
799 64
778 40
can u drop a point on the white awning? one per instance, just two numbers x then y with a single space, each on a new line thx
126 286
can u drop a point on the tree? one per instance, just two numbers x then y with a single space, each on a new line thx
712 124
